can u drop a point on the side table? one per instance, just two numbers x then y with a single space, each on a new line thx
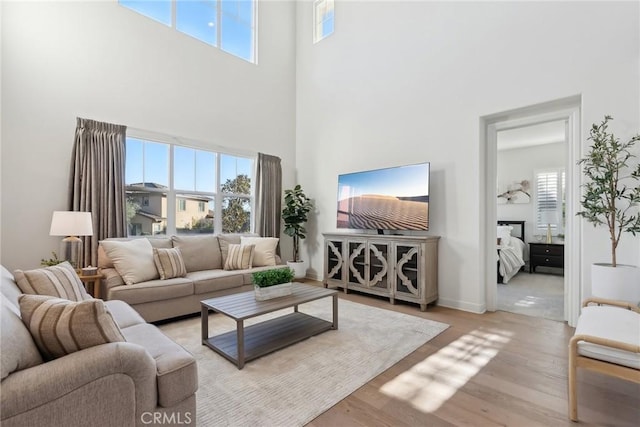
546 255
94 280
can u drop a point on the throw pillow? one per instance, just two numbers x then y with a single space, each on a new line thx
133 259
57 281
504 233
240 257
61 327
169 263
265 251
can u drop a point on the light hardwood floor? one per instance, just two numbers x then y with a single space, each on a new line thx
494 369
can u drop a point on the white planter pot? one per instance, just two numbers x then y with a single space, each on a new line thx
299 269
619 283
275 291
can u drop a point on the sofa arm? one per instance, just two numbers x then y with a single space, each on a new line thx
110 279
54 381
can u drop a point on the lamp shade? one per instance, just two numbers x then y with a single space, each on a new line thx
549 217
64 223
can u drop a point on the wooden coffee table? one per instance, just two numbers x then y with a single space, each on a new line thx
248 343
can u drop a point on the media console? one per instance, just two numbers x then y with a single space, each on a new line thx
398 267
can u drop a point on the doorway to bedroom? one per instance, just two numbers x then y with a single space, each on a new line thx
530 209
558 218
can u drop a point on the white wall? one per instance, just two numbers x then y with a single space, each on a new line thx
98 60
515 165
404 82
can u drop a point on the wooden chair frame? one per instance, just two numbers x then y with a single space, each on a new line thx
603 367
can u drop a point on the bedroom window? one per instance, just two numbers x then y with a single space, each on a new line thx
187 190
226 24
549 199
322 19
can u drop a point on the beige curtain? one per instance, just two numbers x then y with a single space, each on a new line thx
268 195
97 182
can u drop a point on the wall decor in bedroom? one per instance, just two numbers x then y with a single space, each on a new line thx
514 192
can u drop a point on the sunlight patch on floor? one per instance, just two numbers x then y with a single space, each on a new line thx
528 301
430 383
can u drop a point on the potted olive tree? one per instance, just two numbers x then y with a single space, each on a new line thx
294 215
611 198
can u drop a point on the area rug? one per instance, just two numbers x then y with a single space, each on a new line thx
294 385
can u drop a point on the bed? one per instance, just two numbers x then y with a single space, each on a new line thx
512 250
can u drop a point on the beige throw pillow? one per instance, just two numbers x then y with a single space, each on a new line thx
239 257
265 252
61 327
133 259
169 263
58 281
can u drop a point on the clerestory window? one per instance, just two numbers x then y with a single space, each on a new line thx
226 24
323 19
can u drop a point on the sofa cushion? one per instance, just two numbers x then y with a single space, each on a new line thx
169 263
61 327
177 372
59 281
199 252
239 257
157 242
265 251
153 290
215 280
133 259
123 314
19 351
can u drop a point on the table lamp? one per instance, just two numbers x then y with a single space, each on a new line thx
549 217
71 225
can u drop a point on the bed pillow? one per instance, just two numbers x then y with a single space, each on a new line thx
61 327
169 263
133 259
264 253
58 281
239 257
504 234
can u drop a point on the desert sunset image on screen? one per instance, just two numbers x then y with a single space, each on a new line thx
385 199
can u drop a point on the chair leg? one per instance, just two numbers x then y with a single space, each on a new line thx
573 393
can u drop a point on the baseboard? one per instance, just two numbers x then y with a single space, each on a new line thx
313 276
462 305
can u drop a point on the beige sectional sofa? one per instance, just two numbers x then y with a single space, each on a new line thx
204 257
146 378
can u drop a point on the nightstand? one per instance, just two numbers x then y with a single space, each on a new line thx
94 280
545 255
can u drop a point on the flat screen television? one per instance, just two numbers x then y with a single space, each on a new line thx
395 198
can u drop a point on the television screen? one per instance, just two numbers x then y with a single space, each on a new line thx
385 199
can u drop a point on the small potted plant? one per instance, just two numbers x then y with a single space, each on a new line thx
294 214
611 196
273 283
51 261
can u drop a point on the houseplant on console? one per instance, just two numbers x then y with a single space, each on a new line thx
611 198
270 284
294 214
